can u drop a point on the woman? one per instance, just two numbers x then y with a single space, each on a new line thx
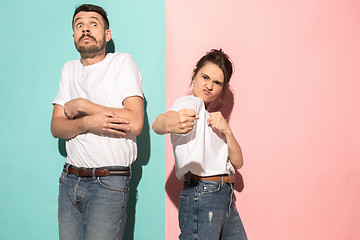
206 153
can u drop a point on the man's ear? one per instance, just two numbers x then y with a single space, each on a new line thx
108 35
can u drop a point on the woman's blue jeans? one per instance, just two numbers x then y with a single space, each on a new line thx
207 212
92 208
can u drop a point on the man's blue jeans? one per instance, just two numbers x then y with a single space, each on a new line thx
207 212
92 208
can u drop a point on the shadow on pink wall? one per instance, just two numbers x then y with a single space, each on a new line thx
173 186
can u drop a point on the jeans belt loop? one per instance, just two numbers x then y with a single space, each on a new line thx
222 181
188 178
67 170
93 174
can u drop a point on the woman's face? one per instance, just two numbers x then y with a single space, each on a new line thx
208 83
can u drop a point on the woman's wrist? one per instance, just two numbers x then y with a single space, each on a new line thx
228 133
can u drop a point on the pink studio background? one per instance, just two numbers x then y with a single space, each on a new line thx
296 112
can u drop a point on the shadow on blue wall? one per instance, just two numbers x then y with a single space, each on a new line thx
110 47
143 144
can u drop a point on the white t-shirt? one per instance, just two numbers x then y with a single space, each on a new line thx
203 151
107 83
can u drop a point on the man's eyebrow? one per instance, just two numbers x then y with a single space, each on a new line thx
76 19
90 17
96 18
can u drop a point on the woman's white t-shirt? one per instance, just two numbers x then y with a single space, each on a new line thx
203 151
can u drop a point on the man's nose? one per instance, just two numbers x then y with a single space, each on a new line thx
86 31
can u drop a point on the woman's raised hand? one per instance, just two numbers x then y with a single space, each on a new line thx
182 121
219 123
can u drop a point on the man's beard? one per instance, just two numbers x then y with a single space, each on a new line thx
91 49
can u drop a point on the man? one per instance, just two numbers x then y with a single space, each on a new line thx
99 111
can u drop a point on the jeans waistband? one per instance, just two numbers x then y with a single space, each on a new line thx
97 172
216 178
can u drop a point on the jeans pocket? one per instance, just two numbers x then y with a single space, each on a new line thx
114 183
183 210
210 187
62 176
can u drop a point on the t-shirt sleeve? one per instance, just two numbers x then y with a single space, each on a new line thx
63 93
188 102
130 78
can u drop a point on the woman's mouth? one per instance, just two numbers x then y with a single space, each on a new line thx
206 92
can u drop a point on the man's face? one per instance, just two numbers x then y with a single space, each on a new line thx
90 35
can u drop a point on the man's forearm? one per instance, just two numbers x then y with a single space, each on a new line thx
101 124
67 129
133 111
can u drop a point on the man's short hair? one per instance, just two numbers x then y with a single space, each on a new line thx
92 8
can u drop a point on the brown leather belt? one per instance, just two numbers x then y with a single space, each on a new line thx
217 178
98 172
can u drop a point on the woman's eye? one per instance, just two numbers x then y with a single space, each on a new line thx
205 77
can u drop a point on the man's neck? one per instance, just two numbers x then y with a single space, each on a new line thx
87 60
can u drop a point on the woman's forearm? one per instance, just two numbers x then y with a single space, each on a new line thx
235 153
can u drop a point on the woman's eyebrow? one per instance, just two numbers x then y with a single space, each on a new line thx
204 74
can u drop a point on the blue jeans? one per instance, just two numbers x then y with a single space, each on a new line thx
207 212
92 208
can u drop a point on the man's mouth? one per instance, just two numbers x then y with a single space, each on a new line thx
86 37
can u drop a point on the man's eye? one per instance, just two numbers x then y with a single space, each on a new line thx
79 25
94 24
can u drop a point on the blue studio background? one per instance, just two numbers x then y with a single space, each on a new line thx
36 40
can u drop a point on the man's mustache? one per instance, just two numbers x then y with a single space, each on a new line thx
87 35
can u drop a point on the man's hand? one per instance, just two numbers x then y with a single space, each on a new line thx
133 111
107 124
74 108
